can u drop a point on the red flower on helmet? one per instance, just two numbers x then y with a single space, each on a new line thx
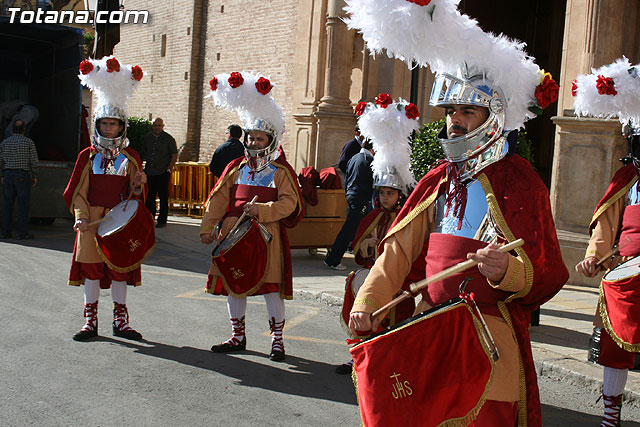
606 86
86 67
411 111
213 83
236 79
547 92
113 65
574 88
360 108
420 2
136 73
383 100
263 85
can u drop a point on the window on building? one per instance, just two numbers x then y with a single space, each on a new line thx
163 46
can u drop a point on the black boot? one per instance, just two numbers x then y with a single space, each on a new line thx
121 326
238 340
277 345
90 328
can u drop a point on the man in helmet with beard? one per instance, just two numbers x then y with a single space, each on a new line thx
263 173
105 174
482 196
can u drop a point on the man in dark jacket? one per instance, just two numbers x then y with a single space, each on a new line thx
349 150
359 189
225 153
161 155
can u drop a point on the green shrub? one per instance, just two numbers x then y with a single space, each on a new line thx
426 150
138 128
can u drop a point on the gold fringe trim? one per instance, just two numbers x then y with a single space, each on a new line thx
633 348
415 211
258 285
611 201
368 301
494 208
522 404
122 269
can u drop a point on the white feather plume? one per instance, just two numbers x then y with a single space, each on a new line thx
625 104
439 36
247 102
111 88
389 130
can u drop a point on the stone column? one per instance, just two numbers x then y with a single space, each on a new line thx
308 81
336 121
586 151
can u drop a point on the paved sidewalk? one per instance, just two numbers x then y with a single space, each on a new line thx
560 343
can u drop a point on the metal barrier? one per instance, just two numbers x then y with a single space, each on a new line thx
189 188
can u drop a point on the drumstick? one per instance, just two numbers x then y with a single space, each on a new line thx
614 250
444 274
98 221
244 213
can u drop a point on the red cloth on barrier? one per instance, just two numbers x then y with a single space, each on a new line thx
423 387
329 179
309 178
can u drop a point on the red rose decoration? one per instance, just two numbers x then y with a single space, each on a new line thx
383 100
420 2
606 86
360 108
411 111
236 79
113 65
263 85
86 67
136 73
213 83
547 92
574 88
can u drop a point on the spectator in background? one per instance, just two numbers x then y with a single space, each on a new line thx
230 150
349 150
161 156
18 169
359 189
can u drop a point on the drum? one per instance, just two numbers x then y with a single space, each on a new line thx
620 304
242 258
125 237
353 282
429 369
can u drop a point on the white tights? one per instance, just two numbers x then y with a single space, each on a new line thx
92 291
275 306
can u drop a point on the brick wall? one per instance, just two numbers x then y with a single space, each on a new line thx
164 91
252 35
262 40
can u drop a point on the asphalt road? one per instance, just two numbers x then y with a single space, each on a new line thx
171 378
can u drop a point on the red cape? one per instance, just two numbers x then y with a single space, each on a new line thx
81 172
622 180
520 204
288 222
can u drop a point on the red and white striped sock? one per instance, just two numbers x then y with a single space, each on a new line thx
277 344
237 331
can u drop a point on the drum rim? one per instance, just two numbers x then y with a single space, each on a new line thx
252 220
431 312
137 204
604 277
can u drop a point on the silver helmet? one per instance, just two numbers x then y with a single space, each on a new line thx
487 143
109 147
261 158
389 179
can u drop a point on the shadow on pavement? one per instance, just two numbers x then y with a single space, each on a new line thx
559 417
567 314
555 335
294 376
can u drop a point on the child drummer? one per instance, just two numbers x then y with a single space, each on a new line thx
615 224
392 179
105 174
